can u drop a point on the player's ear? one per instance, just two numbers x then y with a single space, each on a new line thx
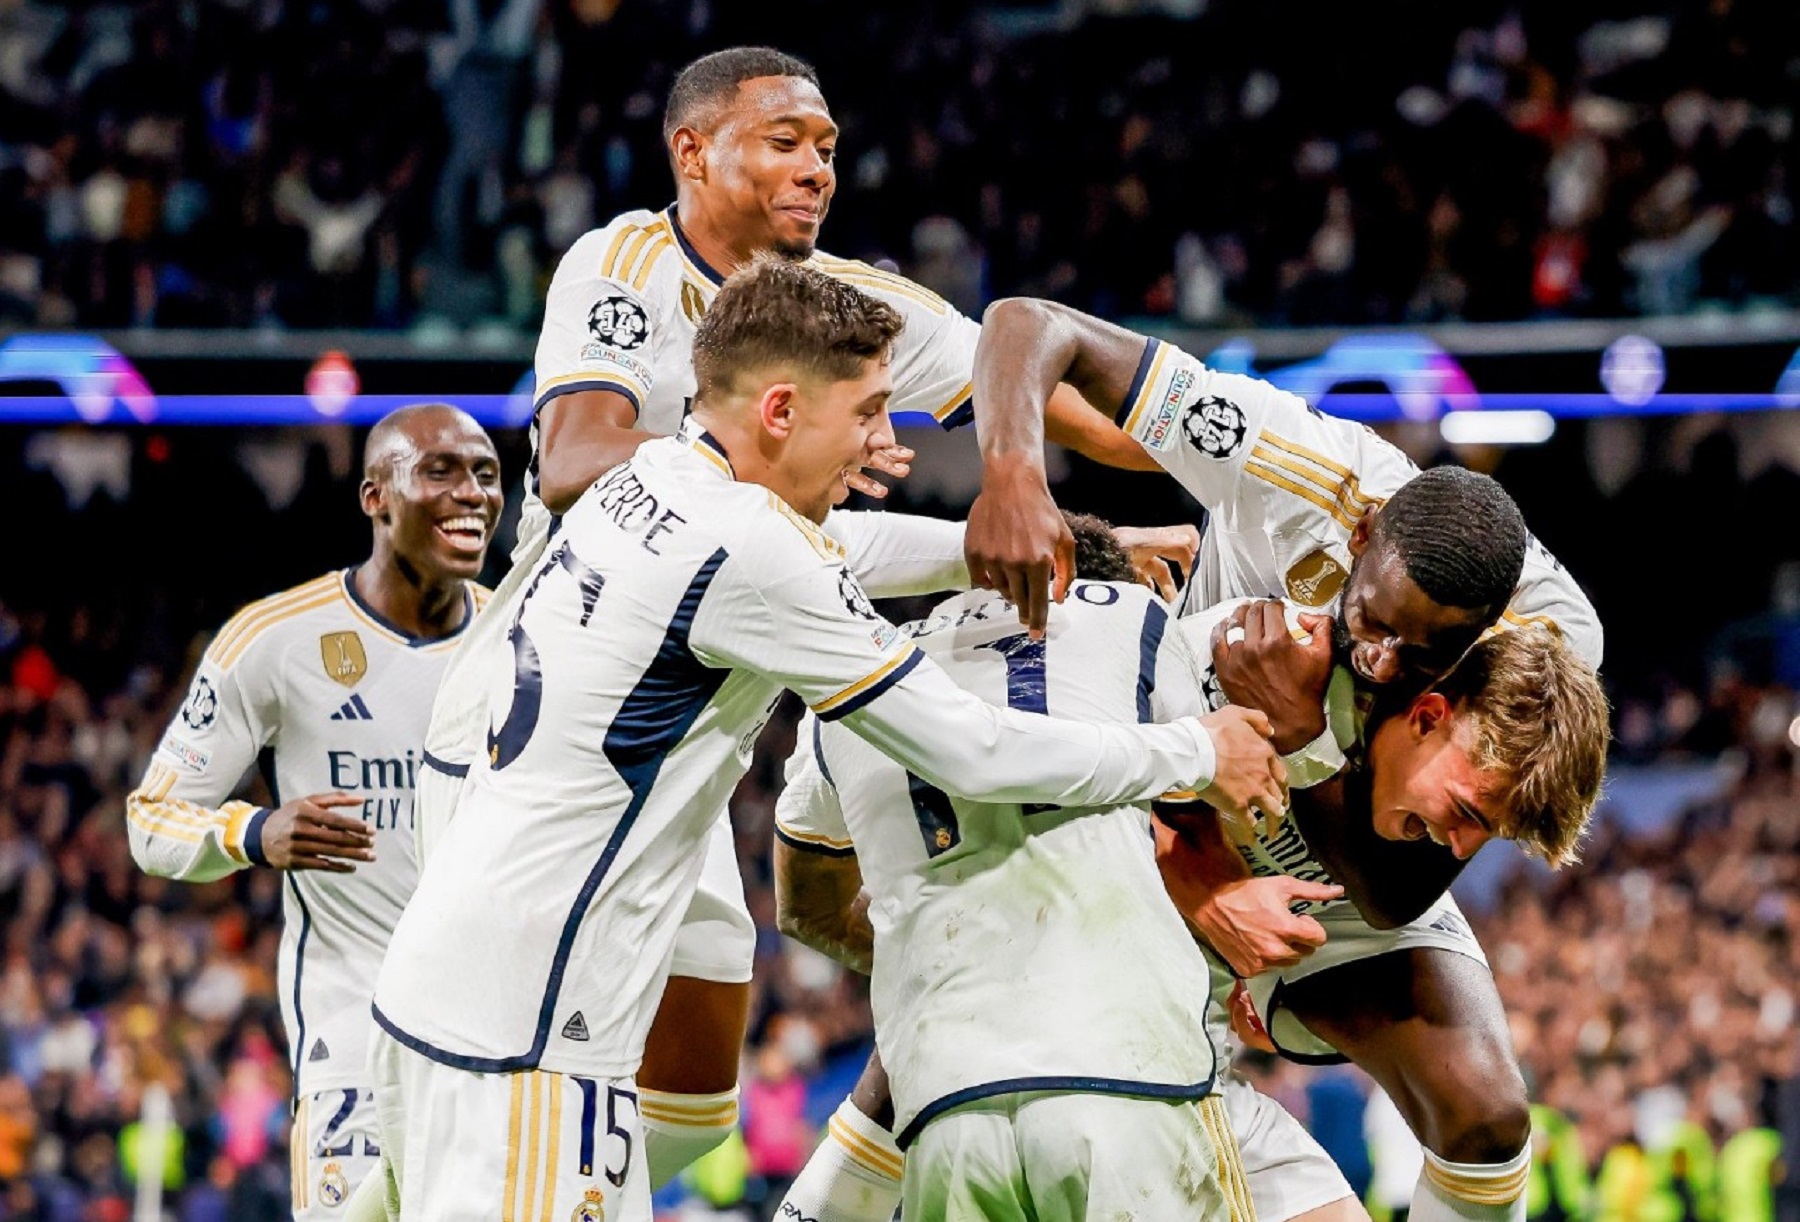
776 409
1429 711
374 500
1365 525
688 150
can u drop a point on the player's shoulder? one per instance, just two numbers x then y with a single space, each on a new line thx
266 625
908 296
635 251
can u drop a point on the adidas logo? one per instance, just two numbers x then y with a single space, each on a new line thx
354 710
319 1052
575 1028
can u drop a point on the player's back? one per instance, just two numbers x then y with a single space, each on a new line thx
1017 942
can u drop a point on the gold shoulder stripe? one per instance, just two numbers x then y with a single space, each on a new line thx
1348 504
896 286
824 544
1341 481
636 247
656 251
609 264
246 619
867 681
1303 491
229 657
1151 381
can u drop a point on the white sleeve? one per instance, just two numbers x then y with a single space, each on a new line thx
808 814
807 630
1548 595
177 819
895 555
599 332
1255 456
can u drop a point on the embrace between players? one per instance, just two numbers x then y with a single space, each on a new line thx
559 1007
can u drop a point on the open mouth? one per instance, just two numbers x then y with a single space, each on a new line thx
1359 662
467 534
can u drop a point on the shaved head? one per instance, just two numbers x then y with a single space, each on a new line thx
405 432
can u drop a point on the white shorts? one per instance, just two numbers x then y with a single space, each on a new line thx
1289 1173
1349 938
1070 1157
471 1147
717 939
333 1145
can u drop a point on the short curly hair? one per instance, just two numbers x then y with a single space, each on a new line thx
1459 534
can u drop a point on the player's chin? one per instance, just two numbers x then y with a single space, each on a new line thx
794 238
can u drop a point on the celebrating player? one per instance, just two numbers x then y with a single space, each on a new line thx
334 679
1413 569
684 592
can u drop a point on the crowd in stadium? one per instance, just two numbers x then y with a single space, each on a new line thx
393 163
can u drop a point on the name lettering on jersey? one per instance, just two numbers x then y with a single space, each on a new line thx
1288 854
1215 426
618 322
183 754
201 708
980 613
1316 578
1159 431
343 656
353 773
634 508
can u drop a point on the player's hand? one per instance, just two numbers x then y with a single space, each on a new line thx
1250 924
1156 549
1249 779
1019 544
895 460
309 834
1246 1024
1260 664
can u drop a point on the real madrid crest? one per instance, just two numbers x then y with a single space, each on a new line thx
1316 578
342 653
334 1189
592 1207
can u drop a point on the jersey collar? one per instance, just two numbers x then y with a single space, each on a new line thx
362 608
688 252
707 447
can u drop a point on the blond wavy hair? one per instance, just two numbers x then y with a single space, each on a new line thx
1535 716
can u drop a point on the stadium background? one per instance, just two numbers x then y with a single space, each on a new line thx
1585 210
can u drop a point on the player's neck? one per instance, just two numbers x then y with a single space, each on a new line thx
752 462
710 236
398 593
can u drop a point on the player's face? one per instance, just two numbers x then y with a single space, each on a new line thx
837 428
1423 783
443 497
1388 629
773 156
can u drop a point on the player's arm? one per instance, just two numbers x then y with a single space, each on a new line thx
581 436
895 555
819 896
1075 424
180 820
803 631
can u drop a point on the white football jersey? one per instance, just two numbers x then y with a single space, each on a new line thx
1285 485
650 647
1019 947
1286 852
626 298
321 693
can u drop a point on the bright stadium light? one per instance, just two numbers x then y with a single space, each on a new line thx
1497 428
1794 733
1632 369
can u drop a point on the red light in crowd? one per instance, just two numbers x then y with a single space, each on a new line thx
157 449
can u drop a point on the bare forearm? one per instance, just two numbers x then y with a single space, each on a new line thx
568 470
844 936
820 902
1075 424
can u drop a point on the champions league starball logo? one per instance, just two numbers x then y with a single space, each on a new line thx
852 593
1214 426
618 322
201 706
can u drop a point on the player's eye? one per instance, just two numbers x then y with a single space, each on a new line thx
786 144
826 153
